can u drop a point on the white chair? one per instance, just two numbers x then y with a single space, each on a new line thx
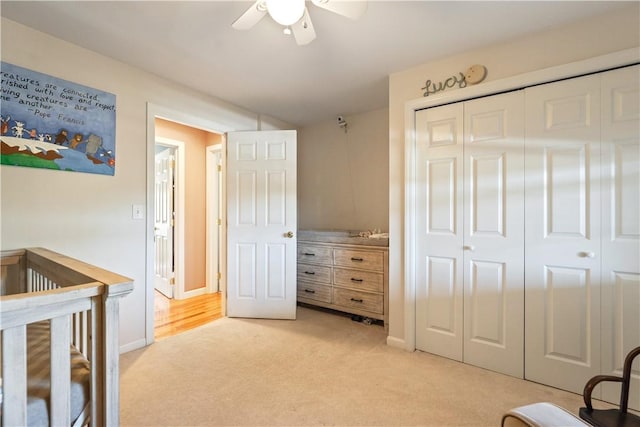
541 414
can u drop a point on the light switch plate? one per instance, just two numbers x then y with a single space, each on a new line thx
137 212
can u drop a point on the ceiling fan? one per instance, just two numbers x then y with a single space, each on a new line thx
294 15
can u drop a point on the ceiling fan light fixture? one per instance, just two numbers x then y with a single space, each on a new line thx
285 12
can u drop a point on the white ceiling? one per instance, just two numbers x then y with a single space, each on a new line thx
343 71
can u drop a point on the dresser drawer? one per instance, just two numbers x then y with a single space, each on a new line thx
361 300
359 259
359 279
314 291
315 273
314 254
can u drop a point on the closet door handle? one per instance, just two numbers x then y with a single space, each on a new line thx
586 254
469 248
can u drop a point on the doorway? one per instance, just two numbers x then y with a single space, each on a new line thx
215 208
184 195
195 261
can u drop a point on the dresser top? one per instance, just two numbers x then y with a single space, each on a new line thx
341 236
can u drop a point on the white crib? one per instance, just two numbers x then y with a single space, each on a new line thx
60 351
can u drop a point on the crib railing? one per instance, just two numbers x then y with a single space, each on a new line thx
81 303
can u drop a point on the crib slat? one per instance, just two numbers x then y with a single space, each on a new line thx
60 371
96 359
110 340
14 372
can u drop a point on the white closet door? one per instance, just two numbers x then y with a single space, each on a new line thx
562 233
494 233
438 219
621 227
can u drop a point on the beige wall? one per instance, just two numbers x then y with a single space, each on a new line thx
195 141
343 178
89 216
597 36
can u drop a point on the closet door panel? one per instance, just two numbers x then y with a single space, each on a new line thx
494 233
438 263
621 227
562 232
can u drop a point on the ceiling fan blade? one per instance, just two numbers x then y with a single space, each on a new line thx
303 29
251 17
348 8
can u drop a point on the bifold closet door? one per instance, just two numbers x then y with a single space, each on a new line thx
469 232
439 230
494 233
565 233
621 227
562 232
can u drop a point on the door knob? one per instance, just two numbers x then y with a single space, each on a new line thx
468 247
289 234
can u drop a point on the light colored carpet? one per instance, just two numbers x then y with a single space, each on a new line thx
322 369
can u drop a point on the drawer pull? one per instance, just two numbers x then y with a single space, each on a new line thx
357 300
353 279
357 259
310 272
310 291
309 254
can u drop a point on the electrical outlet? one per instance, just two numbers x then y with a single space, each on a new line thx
137 212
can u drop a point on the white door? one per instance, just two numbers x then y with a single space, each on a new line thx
562 233
620 227
261 224
494 233
163 223
439 230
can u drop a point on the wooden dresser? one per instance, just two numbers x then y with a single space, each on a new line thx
349 274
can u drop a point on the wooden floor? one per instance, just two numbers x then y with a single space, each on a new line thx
175 316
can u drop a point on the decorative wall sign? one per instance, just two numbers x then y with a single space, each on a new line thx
47 122
474 75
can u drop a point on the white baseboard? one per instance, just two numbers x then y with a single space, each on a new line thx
397 343
193 293
133 346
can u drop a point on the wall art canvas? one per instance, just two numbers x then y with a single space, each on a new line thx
47 122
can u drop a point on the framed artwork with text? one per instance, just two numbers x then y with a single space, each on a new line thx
47 122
